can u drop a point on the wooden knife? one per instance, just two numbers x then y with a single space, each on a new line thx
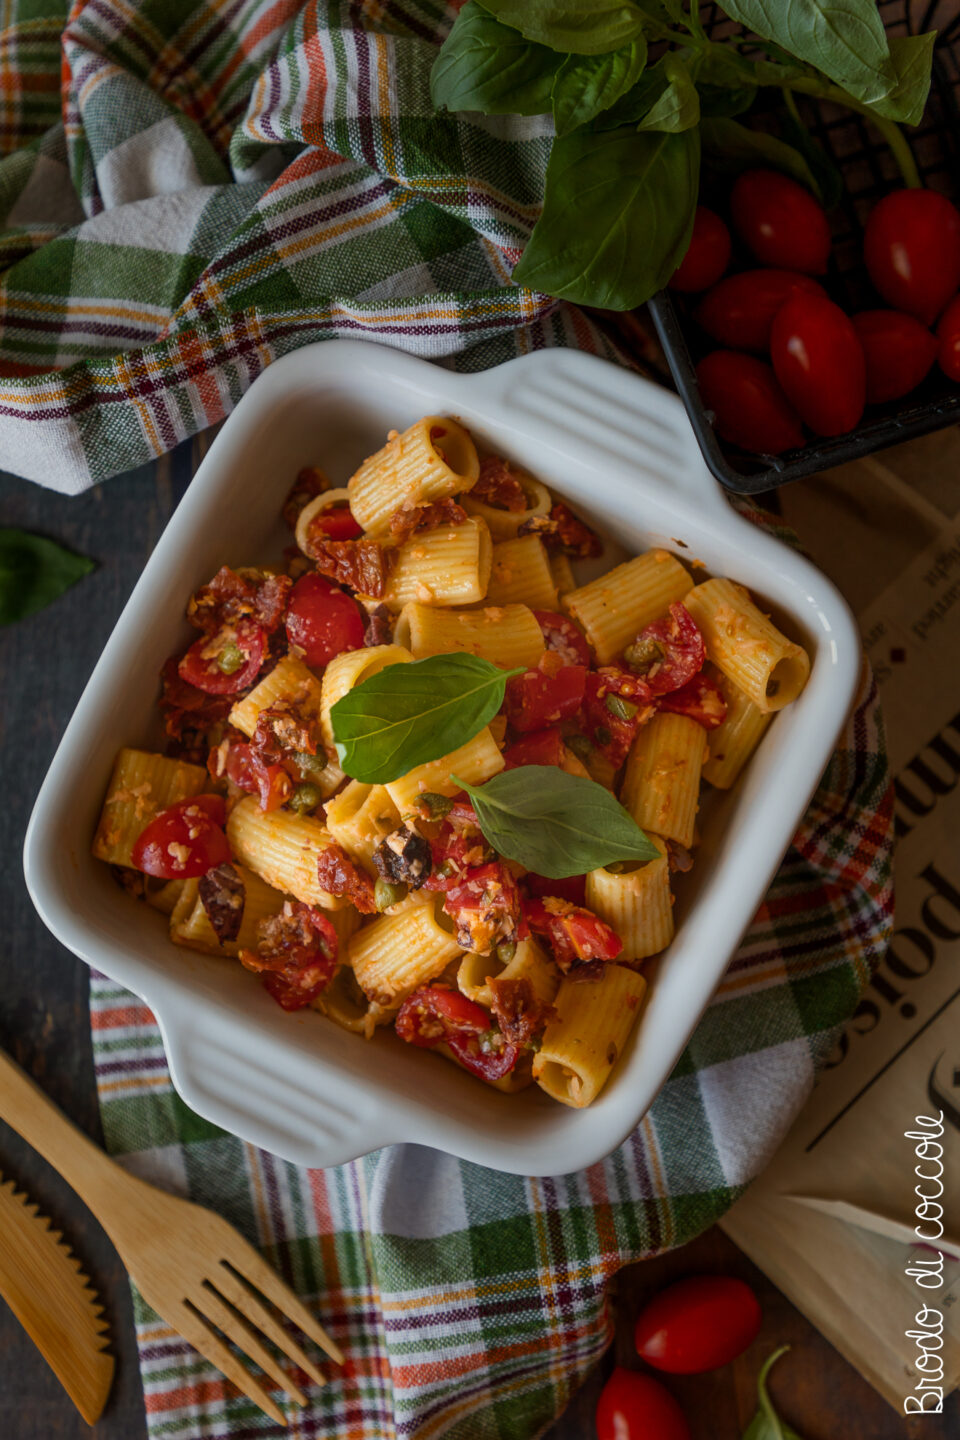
46 1289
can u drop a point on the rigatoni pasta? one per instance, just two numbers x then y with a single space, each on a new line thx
506 635
636 902
521 573
745 644
662 782
446 566
433 458
615 607
587 1035
734 740
142 784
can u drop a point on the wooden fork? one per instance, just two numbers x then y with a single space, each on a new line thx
190 1266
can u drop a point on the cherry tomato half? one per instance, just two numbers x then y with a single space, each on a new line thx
560 634
183 841
898 351
540 747
948 335
541 697
739 311
780 221
322 620
708 254
337 523
698 1324
227 662
749 407
637 1407
818 359
911 246
572 888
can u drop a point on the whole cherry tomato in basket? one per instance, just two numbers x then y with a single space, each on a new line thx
948 335
739 311
637 1407
751 409
708 254
898 351
911 246
780 221
698 1324
818 359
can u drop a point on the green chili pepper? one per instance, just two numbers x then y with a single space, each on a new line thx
305 798
436 806
231 658
386 894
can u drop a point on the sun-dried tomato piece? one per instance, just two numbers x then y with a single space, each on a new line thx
223 896
615 705
485 907
310 482
410 519
516 1008
562 530
284 730
669 652
362 565
339 875
497 486
573 933
236 595
189 714
296 954
379 629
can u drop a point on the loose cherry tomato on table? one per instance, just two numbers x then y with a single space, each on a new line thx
819 362
739 311
948 337
780 221
637 1407
708 254
228 661
322 620
183 841
560 634
898 352
911 247
698 1324
749 407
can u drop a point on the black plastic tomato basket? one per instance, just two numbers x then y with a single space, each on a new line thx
869 172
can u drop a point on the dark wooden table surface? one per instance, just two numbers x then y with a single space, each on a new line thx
45 661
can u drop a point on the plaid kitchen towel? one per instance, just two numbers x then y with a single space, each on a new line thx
214 184
471 1304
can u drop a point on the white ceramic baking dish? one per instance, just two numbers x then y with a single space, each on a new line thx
623 451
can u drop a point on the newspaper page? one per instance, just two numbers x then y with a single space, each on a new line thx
882 1130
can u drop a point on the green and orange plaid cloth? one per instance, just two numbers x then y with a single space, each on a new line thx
190 190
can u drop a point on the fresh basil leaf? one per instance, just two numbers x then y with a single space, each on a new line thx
631 107
554 823
486 66
679 106
576 28
411 714
717 101
731 148
34 571
586 85
766 1424
617 216
843 38
827 176
912 57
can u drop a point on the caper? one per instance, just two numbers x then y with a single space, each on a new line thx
231 658
386 893
622 709
436 806
642 655
580 746
506 951
310 764
305 798
445 870
603 735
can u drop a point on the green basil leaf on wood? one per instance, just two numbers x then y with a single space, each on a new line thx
554 823
33 572
586 85
679 106
730 148
571 25
912 57
845 39
486 66
766 1424
411 714
617 216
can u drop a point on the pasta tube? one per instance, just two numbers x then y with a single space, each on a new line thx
434 458
581 1045
282 848
561 572
732 743
505 635
616 606
141 785
745 644
474 762
661 786
447 566
396 953
359 818
310 512
530 962
196 933
290 682
351 668
637 904
521 574
504 524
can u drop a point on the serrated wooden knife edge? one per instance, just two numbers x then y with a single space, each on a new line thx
47 1290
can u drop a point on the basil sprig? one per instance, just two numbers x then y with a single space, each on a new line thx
554 823
33 572
766 1424
411 714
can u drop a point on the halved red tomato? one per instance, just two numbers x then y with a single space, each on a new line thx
227 662
572 932
573 888
701 699
541 697
248 770
540 747
614 702
323 620
434 1015
183 841
337 523
668 652
561 635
